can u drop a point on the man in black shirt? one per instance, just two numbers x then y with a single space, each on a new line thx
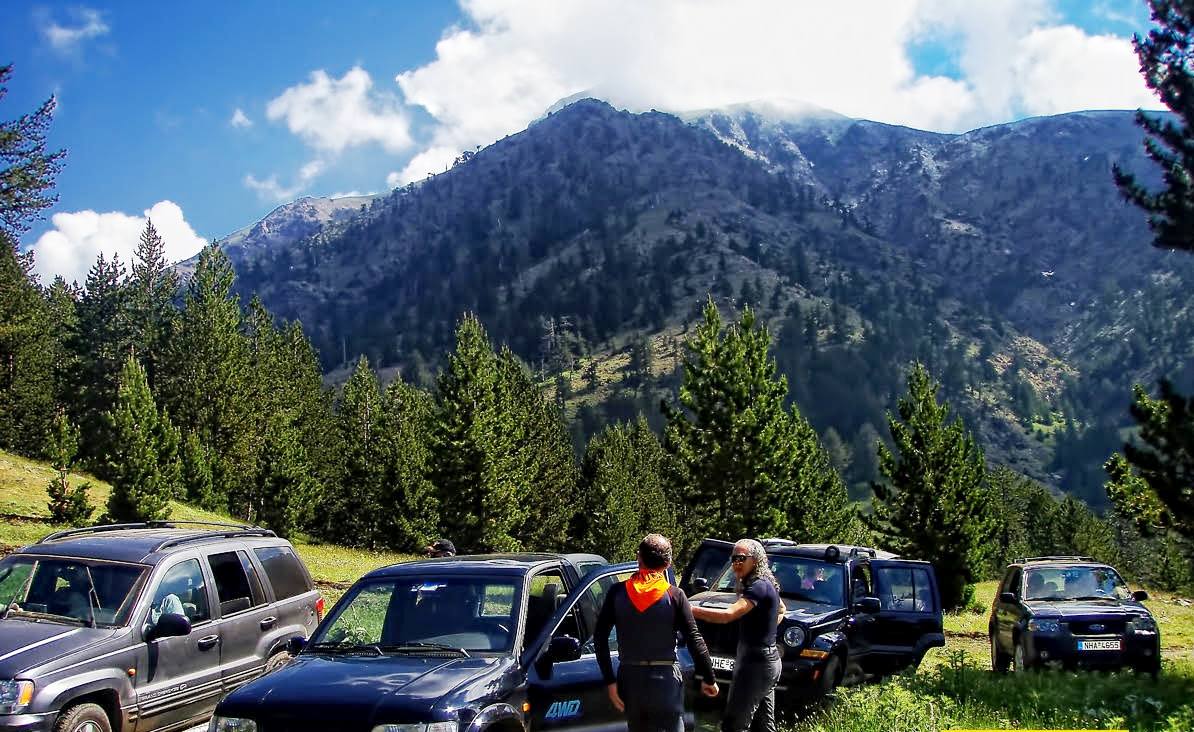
648 612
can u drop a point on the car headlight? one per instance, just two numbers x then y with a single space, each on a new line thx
15 696
1144 624
420 727
231 724
1044 626
794 636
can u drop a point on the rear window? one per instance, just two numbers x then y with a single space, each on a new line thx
905 589
284 571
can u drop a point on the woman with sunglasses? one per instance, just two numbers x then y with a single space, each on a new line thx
751 701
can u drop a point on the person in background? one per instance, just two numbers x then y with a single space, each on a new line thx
650 614
751 701
440 548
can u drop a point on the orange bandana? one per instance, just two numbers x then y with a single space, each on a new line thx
645 588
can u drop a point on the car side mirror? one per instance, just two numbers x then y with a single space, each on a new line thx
869 605
169 625
700 584
295 645
1139 595
1008 597
564 648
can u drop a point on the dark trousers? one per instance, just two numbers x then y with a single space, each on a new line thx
751 702
654 697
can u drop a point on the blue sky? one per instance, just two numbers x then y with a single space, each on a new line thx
362 96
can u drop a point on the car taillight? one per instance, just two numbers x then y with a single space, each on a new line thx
319 609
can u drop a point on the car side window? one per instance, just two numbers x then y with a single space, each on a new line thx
860 582
1011 583
905 589
544 595
182 589
232 583
589 606
284 571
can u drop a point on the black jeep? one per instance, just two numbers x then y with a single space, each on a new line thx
1073 612
499 643
144 626
852 612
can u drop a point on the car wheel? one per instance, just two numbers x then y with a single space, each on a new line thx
999 659
83 718
830 676
1020 660
276 661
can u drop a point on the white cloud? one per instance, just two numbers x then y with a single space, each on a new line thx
71 247
394 179
513 58
67 38
331 115
270 189
239 119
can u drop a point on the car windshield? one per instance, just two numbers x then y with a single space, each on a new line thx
800 578
406 614
69 590
1074 583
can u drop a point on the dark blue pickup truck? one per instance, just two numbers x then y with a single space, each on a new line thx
496 643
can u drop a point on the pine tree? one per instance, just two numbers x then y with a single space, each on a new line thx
934 504
746 466
67 505
195 471
354 513
409 504
1153 479
139 463
623 491
205 381
27 388
28 172
1165 64
62 302
474 449
152 287
285 490
103 345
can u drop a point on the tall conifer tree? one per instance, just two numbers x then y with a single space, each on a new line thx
144 469
27 388
934 503
354 512
409 505
105 342
152 286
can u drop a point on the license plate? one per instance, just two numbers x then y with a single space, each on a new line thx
723 664
1099 645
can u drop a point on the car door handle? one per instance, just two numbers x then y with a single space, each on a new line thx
267 623
208 641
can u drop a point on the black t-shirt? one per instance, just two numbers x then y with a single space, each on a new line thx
757 629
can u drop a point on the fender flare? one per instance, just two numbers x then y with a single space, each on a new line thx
493 714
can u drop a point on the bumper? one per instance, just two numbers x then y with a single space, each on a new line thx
797 676
1140 651
26 722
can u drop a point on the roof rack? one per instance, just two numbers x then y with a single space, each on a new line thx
1056 558
232 530
248 531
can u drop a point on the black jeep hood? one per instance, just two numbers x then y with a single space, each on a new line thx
25 643
357 691
1085 609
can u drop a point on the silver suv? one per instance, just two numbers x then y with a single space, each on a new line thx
144 626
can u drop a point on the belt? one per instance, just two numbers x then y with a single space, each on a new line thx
649 663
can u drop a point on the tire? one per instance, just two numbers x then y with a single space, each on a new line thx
83 718
276 661
999 659
830 676
1020 659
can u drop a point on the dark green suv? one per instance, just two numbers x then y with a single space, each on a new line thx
1073 612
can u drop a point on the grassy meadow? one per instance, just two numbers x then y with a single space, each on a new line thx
953 689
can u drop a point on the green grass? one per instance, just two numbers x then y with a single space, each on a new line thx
962 694
23 500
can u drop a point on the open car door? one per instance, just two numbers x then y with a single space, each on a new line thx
908 622
564 685
707 563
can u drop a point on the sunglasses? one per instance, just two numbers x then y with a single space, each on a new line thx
739 558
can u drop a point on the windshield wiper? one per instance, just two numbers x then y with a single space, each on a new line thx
421 646
346 648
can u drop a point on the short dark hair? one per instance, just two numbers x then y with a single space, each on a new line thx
655 551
